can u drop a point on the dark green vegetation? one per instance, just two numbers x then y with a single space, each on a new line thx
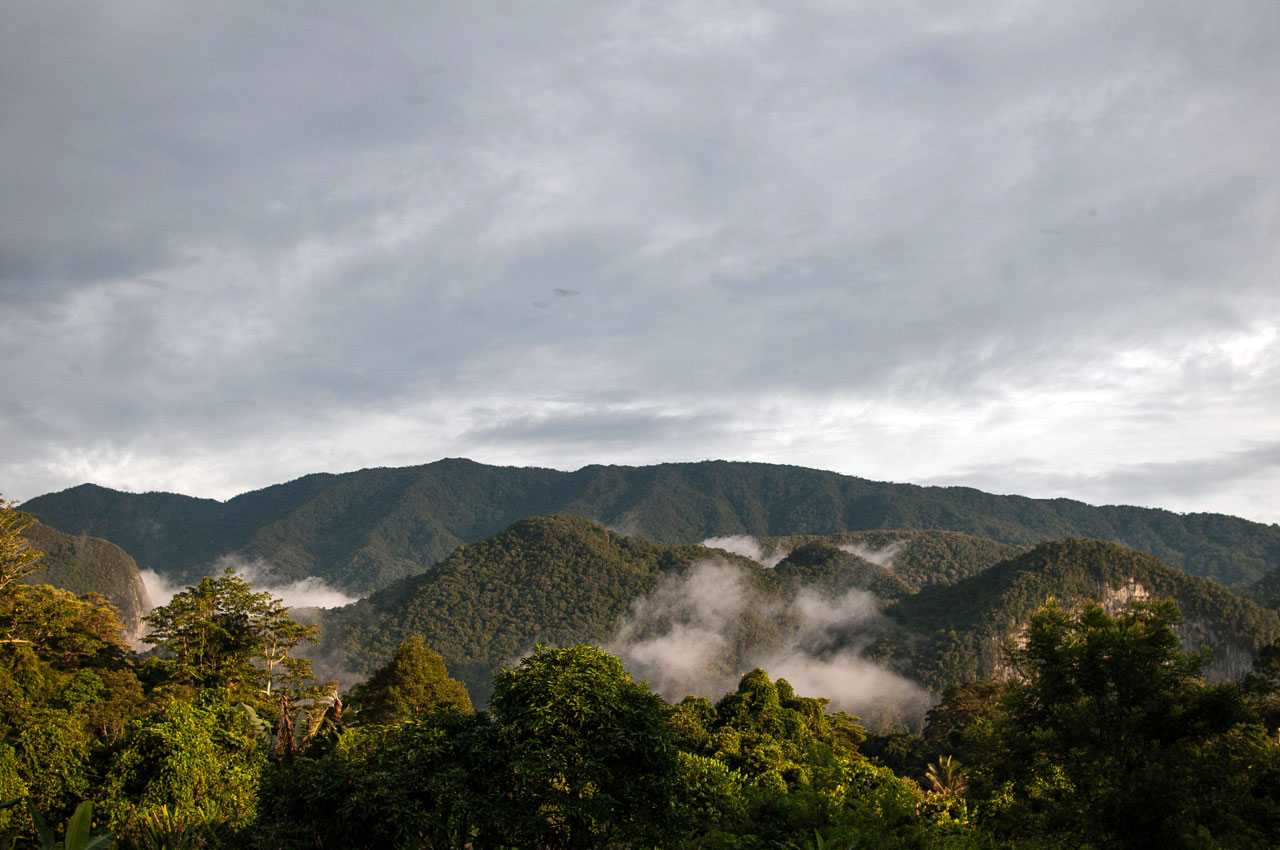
91 565
362 530
958 630
1266 590
563 580
916 559
554 580
1110 739
1106 734
411 683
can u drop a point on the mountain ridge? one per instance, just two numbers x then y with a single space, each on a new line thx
364 529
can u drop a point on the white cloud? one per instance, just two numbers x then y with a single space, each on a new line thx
698 632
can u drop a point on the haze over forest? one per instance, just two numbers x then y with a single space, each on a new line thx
879 596
976 691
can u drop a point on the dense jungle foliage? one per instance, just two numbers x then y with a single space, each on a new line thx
1107 735
553 580
361 531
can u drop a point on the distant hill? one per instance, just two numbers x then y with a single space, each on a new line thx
363 530
947 615
1265 591
91 565
955 632
555 580
905 560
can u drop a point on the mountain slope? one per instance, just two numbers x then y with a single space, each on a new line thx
362 530
915 558
955 633
562 579
91 565
557 580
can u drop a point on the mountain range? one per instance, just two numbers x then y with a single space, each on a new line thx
690 572
360 531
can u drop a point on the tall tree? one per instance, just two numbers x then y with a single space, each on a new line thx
411 683
18 558
220 633
591 759
1109 737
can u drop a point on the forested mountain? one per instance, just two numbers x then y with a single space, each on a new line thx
555 580
1265 591
890 562
950 601
363 530
227 735
955 633
89 564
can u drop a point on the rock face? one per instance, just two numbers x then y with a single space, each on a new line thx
91 565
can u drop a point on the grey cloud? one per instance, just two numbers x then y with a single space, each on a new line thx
1175 484
600 426
248 218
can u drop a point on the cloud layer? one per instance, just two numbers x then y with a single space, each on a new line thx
699 632
1028 246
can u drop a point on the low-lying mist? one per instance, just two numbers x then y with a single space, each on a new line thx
748 547
309 592
698 632
885 556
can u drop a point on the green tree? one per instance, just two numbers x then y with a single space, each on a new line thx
961 706
64 630
220 633
591 762
18 558
198 762
423 783
1108 737
411 683
52 754
776 738
947 776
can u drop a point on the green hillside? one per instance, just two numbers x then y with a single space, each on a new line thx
955 633
904 560
950 603
1265 591
362 530
91 565
555 580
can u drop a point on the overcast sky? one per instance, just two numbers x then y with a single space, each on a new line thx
1032 247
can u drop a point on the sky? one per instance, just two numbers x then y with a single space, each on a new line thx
1029 247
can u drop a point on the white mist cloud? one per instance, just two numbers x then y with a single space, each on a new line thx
676 637
824 659
309 592
697 633
885 556
883 699
748 547
159 589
